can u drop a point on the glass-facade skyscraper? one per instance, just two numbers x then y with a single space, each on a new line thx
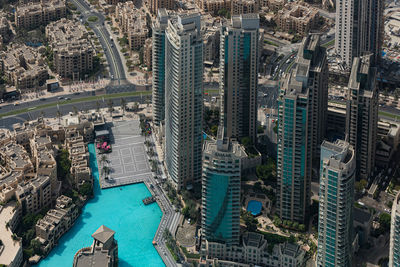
221 191
238 75
394 252
184 99
336 198
362 114
302 108
158 98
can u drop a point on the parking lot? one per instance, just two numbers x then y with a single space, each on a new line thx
128 161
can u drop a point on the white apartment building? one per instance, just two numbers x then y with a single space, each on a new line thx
184 99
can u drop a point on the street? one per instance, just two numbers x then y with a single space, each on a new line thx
117 72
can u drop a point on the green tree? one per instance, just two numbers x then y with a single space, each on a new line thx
384 220
246 142
110 106
63 164
97 106
86 189
360 185
123 104
35 245
214 130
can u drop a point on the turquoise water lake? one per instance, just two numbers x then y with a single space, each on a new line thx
122 210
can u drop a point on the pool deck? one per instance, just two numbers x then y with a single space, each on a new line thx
130 164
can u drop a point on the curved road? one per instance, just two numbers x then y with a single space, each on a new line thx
114 61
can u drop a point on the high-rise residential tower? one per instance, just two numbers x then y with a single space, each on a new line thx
336 198
362 114
184 99
221 190
239 55
302 114
159 27
394 250
359 29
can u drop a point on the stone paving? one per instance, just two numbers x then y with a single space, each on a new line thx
128 160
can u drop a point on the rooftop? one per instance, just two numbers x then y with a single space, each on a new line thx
11 247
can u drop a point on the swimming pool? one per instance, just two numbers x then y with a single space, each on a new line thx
254 207
122 210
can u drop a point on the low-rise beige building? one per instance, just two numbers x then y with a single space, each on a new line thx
34 14
56 222
23 67
104 250
253 251
72 50
132 22
213 6
298 18
5 31
154 5
10 249
35 194
244 7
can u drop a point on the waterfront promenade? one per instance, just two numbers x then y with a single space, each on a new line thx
129 164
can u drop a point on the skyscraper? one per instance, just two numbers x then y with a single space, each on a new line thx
394 252
302 113
221 190
239 75
159 27
359 28
336 198
184 99
362 114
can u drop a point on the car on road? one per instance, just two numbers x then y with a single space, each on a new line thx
77 93
42 99
67 98
60 97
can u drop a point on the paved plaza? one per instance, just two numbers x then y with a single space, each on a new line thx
128 160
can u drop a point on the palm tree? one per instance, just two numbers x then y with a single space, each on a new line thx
135 106
105 170
59 116
75 109
210 75
97 106
41 114
146 77
103 159
110 106
123 105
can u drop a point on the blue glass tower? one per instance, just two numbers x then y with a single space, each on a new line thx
221 190
302 107
336 195
159 26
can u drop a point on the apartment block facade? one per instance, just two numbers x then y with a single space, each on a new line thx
336 195
238 77
359 29
72 51
34 14
184 99
221 191
158 58
302 109
394 247
362 114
